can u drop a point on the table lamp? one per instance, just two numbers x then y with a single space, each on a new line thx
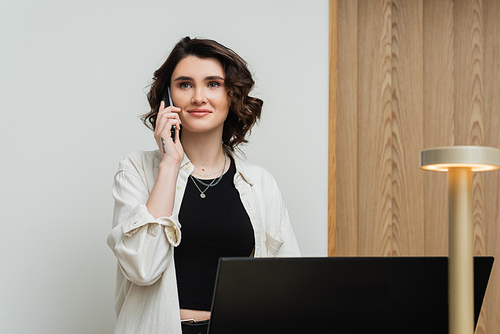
460 162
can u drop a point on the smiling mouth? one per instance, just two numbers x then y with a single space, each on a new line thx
199 112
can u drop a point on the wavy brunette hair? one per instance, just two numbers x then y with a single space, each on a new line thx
244 110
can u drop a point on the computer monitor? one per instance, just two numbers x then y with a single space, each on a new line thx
336 295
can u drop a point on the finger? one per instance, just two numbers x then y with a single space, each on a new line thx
177 134
169 110
171 123
165 124
158 122
164 114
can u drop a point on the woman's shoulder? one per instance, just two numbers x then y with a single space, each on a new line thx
252 172
140 160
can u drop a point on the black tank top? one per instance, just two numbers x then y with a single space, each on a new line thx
212 227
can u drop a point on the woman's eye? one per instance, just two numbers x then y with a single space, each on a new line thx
185 85
213 84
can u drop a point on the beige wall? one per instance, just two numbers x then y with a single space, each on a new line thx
408 75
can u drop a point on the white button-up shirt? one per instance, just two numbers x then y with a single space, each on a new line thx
146 298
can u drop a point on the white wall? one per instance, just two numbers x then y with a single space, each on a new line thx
73 77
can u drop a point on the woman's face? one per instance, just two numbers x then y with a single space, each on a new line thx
197 87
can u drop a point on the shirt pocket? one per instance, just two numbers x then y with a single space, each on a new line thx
273 243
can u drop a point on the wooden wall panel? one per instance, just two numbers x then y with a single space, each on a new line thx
347 129
332 128
375 131
407 128
468 44
491 38
414 74
439 105
469 120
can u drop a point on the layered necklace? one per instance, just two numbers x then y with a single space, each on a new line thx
211 184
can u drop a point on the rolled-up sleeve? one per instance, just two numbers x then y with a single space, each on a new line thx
141 243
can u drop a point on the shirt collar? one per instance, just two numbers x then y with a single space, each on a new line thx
242 169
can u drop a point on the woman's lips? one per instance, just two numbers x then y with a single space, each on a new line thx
199 112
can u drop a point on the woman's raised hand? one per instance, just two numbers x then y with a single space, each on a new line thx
167 117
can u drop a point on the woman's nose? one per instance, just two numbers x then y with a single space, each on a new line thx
199 96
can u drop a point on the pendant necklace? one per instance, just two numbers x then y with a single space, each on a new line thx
211 184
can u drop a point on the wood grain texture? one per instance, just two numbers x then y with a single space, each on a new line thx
375 129
469 120
407 128
491 40
468 31
439 113
347 129
332 131
450 92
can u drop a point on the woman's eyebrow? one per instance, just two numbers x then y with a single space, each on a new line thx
183 78
209 78
214 77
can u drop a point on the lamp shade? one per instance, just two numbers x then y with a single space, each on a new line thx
478 158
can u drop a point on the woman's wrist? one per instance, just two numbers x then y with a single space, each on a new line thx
170 164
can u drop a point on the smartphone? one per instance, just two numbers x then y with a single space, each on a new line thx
168 102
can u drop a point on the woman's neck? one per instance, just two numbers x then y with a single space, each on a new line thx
204 151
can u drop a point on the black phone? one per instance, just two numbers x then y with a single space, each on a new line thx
168 102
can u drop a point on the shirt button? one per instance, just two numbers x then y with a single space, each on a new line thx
171 235
188 167
179 187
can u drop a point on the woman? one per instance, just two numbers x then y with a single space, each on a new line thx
226 206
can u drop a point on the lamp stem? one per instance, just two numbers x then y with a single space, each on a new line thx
461 254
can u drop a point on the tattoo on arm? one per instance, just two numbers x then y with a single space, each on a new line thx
163 145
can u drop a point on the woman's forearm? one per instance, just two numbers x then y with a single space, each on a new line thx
161 199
